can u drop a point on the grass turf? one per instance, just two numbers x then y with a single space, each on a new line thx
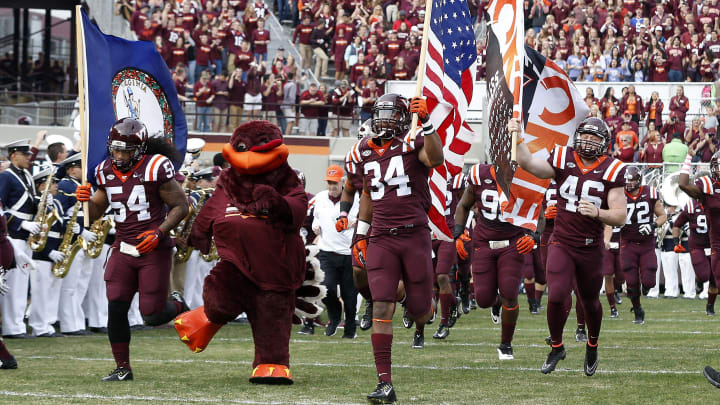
658 362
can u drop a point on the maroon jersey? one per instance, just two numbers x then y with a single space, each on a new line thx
397 181
354 176
452 197
489 225
550 199
694 215
711 205
261 36
575 182
640 211
135 201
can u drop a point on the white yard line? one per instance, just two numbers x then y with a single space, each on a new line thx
369 365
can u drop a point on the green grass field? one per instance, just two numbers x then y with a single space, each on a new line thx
659 362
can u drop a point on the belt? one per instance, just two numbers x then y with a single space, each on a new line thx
21 215
397 230
498 244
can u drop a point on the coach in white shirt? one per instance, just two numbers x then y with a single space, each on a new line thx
335 255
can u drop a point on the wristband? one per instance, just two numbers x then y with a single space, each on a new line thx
345 207
343 214
685 169
458 230
428 129
362 227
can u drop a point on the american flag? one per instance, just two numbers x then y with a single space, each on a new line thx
448 87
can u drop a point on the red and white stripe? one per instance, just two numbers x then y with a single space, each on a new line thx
611 173
653 193
448 105
151 170
706 185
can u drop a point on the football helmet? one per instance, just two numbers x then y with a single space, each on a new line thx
590 148
390 116
715 166
127 135
633 178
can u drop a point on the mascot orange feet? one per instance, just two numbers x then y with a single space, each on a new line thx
271 374
195 330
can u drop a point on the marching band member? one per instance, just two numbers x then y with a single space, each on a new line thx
75 284
45 286
17 194
197 268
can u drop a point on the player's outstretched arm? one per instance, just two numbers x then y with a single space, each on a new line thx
537 167
431 154
172 194
660 214
684 181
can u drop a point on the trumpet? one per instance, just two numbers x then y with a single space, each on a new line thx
183 229
46 219
212 254
67 246
101 227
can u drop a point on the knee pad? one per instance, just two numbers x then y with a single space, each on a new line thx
117 309
162 317
118 326
632 292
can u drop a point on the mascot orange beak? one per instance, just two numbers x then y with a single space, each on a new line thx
259 159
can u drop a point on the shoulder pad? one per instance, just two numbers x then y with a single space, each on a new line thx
560 156
158 166
474 175
612 171
705 184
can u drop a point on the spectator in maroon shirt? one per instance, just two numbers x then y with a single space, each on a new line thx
178 54
302 34
253 95
236 36
677 58
272 95
204 95
220 102
181 84
343 101
399 71
189 17
680 103
411 57
671 126
632 102
357 68
340 43
367 99
147 33
704 147
658 67
244 57
203 57
652 151
236 90
310 101
695 133
137 21
260 38
613 121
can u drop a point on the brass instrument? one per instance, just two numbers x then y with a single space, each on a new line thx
46 220
183 229
67 246
101 227
212 254
671 193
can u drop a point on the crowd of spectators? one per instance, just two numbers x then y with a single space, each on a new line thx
218 52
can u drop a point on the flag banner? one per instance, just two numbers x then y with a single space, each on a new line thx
127 79
448 88
552 110
504 67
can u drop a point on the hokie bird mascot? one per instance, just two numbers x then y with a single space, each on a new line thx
255 215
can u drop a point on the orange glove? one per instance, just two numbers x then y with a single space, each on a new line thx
679 249
460 247
525 245
83 192
150 240
551 212
418 105
341 223
465 236
359 250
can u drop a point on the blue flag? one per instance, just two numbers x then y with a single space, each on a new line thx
127 79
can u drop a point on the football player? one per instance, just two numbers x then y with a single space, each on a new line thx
396 198
706 189
637 238
7 360
499 250
612 268
699 244
147 202
590 194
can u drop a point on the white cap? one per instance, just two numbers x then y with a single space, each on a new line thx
195 145
23 145
42 173
54 138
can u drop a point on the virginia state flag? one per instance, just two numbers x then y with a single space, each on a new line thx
127 79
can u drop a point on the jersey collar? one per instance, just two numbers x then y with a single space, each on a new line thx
124 176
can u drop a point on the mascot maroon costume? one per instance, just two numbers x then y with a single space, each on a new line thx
255 214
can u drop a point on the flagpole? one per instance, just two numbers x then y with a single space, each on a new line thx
421 63
80 45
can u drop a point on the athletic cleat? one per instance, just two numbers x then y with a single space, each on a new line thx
331 328
580 335
618 300
383 394
613 313
548 341
406 320
465 300
195 329
712 376
535 306
418 341
505 351
710 310
366 320
177 296
274 374
308 328
639 315
473 304
442 332
455 314
591 360
554 357
645 291
119 374
8 364
495 314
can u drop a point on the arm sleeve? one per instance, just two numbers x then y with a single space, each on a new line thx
681 219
